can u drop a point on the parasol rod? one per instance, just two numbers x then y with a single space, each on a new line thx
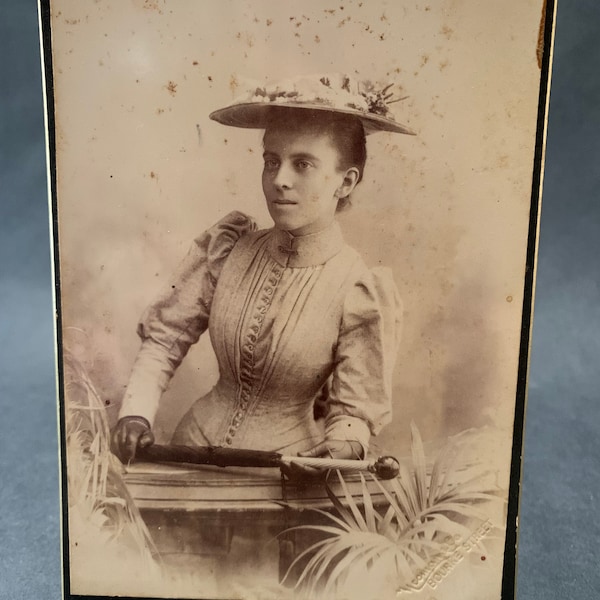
385 467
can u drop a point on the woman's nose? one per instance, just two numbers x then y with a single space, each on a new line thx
283 177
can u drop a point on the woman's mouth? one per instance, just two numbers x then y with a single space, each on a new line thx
283 202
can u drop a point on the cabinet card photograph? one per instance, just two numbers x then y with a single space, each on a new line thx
294 249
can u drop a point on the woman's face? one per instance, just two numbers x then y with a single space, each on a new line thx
302 180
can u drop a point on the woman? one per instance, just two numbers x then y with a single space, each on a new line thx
293 312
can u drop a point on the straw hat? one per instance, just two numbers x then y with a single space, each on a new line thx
333 93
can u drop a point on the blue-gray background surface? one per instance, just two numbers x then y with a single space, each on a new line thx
559 551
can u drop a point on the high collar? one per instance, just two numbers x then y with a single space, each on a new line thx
306 250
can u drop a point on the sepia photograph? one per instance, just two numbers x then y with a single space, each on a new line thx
294 251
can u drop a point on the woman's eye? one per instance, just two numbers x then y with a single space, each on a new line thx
271 163
303 164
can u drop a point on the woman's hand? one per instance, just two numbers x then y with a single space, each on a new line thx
345 449
129 434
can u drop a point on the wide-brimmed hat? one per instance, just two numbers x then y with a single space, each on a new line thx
333 93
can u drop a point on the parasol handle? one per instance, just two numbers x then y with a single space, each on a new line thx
385 467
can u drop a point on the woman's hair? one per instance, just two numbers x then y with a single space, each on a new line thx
345 131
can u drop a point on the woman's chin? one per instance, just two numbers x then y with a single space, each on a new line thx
284 221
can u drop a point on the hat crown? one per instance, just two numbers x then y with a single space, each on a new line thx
333 90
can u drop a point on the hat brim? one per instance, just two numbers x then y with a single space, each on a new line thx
254 115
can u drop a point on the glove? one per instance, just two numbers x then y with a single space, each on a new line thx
346 449
129 434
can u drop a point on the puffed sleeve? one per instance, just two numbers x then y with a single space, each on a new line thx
361 388
177 318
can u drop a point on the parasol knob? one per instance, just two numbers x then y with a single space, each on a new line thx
386 467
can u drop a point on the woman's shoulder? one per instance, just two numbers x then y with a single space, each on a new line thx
370 288
233 225
219 239
362 274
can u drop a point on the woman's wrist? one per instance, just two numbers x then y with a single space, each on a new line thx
135 419
350 429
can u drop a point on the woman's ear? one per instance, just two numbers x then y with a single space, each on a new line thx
351 177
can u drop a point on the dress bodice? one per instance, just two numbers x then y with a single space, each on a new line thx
287 316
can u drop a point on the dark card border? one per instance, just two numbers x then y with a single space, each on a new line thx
509 571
